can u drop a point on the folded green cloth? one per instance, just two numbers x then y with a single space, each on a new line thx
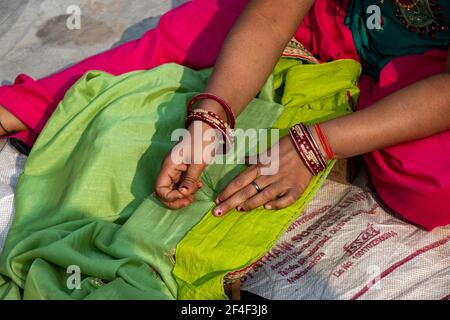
85 200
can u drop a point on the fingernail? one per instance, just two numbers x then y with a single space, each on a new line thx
218 201
268 207
218 212
184 188
241 209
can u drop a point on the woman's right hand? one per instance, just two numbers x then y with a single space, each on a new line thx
179 178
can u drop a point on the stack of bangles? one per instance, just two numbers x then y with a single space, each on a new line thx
308 148
211 118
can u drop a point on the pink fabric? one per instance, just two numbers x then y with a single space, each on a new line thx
324 33
191 34
412 178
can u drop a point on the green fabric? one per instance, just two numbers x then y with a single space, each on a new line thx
216 247
85 197
379 46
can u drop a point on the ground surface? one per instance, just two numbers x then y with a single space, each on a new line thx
35 39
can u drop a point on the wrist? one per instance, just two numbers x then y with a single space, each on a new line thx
198 141
214 106
318 142
216 113
320 134
308 149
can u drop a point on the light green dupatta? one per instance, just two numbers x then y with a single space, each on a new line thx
84 205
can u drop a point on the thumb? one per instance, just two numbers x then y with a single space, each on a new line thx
190 182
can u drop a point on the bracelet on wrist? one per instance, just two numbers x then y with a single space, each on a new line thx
202 96
323 140
213 119
307 148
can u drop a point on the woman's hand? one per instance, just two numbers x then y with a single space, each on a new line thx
179 178
10 122
278 191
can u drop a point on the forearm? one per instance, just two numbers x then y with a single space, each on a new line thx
415 112
253 48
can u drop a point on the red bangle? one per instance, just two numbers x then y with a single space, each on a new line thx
307 151
211 117
208 114
216 123
202 96
323 140
209 121
314 146
297 140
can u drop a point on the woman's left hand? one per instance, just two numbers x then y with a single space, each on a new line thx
277 191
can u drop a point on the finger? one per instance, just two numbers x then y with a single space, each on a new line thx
178 203
169 195
287 199
190 182
238 183
266 195
240 197
168 177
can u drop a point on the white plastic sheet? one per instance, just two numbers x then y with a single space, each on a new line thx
345 246
11 166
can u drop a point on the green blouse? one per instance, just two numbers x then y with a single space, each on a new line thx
406 27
